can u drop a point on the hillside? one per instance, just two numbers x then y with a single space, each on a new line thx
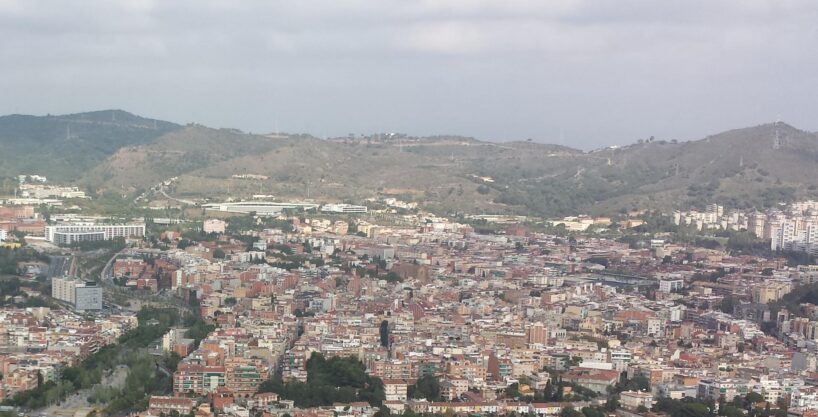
65 147
739 168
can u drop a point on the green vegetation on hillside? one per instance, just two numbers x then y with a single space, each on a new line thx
64 147
126 155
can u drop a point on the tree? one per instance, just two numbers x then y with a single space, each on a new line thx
383 412
687 407
338 379
393 277
513 391
753 397
427 387
637 383
218 253
695 410
570 412
730 410
592 412
184 243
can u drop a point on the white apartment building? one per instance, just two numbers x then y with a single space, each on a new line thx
3 235
620 359
66 234
670 285
713 217
63 289
794 233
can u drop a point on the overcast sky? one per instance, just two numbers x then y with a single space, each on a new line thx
587 73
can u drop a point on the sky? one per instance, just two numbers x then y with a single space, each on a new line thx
580 73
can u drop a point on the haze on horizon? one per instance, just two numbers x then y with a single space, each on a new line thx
600 72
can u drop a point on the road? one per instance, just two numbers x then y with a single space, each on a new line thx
105 275
178 200
59 266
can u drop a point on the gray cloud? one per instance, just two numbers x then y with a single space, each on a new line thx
602 72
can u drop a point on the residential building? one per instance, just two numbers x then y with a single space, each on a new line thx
66 234
80 294
632 400
214 226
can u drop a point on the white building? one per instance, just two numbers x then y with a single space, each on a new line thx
620 359
63 289
261 208
343 208
66 234
794 234
3 235
670 285
656 327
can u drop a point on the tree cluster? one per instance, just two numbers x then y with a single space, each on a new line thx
333 380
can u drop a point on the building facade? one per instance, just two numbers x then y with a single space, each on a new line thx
66 234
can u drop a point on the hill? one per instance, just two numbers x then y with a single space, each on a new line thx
739 168
65 147
441 173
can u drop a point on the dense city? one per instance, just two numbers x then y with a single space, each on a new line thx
281 309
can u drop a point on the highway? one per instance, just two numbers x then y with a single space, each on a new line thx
178 200
59 266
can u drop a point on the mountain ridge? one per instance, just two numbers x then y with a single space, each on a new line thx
738 167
